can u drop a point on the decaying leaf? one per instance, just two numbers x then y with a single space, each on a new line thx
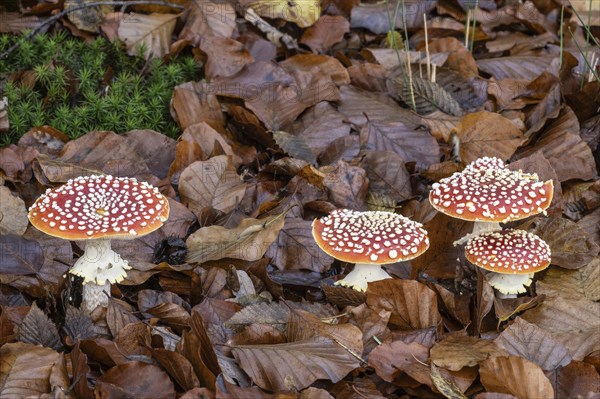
13 214
249 241
36 328
152 31
533 343
458 351
295 365
135 379
211 183
516 376
573 284
446 388
429 96
20 256
413 305
295 146
303 13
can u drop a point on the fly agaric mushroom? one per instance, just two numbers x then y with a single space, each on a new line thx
513 256
369 239
487 192
98 209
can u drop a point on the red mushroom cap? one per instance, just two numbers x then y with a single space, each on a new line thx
369 237
92 207
508 252
487 191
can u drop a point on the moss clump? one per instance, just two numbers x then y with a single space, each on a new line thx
78 87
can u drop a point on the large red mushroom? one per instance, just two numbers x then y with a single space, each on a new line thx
97 209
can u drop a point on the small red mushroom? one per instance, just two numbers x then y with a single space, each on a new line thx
369 239
98 209
513 256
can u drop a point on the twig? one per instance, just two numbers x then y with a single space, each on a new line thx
61 14
273 34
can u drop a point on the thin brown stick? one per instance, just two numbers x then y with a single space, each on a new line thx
61 14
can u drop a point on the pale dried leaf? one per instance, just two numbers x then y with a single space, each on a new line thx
533 343
153 31
295 365
519 66
413 305
13 214
294 146
563 315
516 376
446 388
458 351
249 241
212 183
303 13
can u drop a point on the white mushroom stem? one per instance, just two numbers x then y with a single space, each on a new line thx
362 274
99 266
509 285
478 228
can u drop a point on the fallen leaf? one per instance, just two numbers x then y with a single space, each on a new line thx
226 57
295 146
249 241
533 343
487 134
26 369
295 365
208 18
446 388
562 315
211 183
152 31
413 305
458 351
411 145
303 13
516 376
517 66
13 214
135 379
577 379
390 360
582 283
327 31
178 367
196 102
428 96
376 18
296 249
387 174
20 256
346 185
36 328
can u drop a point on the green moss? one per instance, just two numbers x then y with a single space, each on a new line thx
80 87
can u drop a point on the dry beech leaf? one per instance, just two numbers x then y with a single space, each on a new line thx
387 174
304 325
563 315
26 370
346 185
196 102
391 359
375 17
189 346
372 324
487 134
361 106
172 314
36 328
20 256
508 307
13 214
81 369
294 146
153 31
577 380
208 18
118 315
583 283
135 379
411 145
248 241
275 314
212 183
327 31
429 96
458 351
225 56
519 66
516 376
413 305
446 388
295 248
303 13
533 343
78 324
295 365
178 367
564 148
571 247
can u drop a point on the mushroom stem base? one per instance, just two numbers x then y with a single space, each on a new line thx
362 274
509 284
100 264
95 295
